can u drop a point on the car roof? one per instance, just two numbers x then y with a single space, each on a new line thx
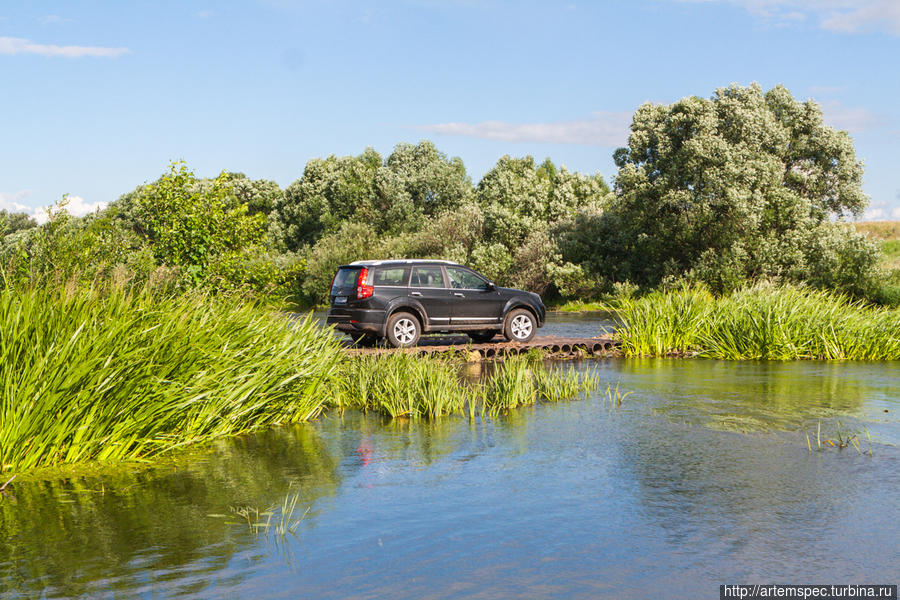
400 261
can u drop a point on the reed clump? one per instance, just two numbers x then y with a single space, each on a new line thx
524 380
764 322
399 385
407 386
130 375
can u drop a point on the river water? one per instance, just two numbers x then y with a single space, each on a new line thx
702 476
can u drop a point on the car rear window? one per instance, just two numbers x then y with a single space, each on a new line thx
391 276
345 280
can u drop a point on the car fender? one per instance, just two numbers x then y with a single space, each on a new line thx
404 303
515 303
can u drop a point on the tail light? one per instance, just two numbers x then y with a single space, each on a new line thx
331 289
363 289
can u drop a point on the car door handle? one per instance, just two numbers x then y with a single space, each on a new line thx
458 294
415 294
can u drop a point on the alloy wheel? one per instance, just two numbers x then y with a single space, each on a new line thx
521 327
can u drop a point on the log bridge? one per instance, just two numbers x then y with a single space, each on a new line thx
553 347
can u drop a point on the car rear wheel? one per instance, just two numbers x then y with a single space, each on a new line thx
403 330
480 337
520 326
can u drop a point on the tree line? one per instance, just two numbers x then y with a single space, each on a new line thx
743 186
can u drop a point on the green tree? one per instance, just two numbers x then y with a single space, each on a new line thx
433 182
742 185
518 197
393 195
12 222
187 225
259 195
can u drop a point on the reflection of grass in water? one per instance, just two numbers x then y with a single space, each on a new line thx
69 531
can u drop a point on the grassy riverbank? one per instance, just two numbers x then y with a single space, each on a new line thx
91 376
763 322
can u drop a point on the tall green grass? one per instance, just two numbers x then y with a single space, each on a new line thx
126 375
524 380
403 385
400 385
762 322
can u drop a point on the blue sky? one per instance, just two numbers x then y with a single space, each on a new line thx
97 97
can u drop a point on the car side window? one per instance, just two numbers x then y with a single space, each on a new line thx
427 277
466 280
396 276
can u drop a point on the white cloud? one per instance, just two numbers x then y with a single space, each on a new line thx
895 214
76 206
862 15
10 202
873 214
205 14
848 16
601 129
853 119
52 20
11 45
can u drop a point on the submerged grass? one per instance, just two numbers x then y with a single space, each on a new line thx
762 322
128 375
843 438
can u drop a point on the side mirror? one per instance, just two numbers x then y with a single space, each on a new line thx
491 286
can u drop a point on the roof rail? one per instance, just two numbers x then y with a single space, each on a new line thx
402 261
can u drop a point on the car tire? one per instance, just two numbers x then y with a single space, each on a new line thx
403 330
364 340
481 337
520 326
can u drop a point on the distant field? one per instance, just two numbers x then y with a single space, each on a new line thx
887 233
880 230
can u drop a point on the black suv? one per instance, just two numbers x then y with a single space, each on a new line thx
401 299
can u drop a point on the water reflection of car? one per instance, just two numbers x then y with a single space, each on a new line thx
402 299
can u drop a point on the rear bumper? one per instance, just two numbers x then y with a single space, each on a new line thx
356 320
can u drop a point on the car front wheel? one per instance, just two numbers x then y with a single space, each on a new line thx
520 326
403 330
